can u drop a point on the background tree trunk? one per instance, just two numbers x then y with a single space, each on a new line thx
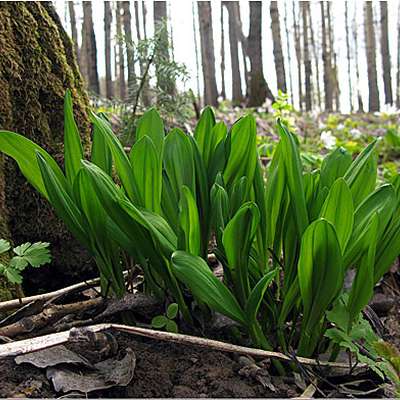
315 55
398 60
223 90
346 16
259 89
121 56
207 53
237 95
107 45
127 19
355 39
37 65
297 46
333 60
385 52
370 46
196 50
74 32
307 60
277 43
326 58
288 55
88 55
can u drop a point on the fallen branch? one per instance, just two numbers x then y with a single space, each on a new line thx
42 342
16 303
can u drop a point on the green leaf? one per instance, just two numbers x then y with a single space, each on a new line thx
339 211
35 254
189 222
4 246
219 210
151 125
321 274
13 275
204 134
361 175
334 166
23 151
172 311
242 156
101 154
256 296
147 173
18 263
73 152
159 322
205 286
362 289
171 326
293 169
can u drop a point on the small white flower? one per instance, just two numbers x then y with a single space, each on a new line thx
328 140
340 127
260 109
355 133
321 125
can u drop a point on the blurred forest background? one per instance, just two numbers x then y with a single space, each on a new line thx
328 56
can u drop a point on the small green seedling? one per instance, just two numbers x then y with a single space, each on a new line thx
26 254
167 321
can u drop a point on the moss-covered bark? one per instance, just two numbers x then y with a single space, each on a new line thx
37 65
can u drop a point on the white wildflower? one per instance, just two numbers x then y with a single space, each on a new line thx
328 140
355 133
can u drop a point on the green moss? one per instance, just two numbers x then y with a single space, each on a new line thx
37 65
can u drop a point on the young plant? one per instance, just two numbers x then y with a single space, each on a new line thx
167 321
27 254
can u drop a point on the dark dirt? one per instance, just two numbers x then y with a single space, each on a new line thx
162 370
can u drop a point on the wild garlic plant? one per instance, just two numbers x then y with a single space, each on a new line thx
285 237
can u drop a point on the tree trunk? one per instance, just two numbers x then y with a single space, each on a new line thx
223 91
37 65
288 55
346 16
207 53
129 48
355 39
243 42
196 50
74 32
297 44
371 57
307 60
259 89
277 43
326 58
334 68
107 46
121 56
237 95
385 52
144 14
88 55
315 54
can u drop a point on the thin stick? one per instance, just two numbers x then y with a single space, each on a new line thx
17 303
42 342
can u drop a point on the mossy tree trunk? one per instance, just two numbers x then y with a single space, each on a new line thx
37 65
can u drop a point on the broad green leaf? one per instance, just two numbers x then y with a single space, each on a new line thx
172 311
23 151
4 246
151 125
121 160
189 222
219 210
242 157
171 326
293 169
256 296
362 289
204 134
159 321
334 166
73 152
196 275
147 174
321 274
241 229
35 254
216 160
362 173
101 154
339 211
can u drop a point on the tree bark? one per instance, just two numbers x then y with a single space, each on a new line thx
326 58
223 90
398 60
237 95
207 53
355 39
370 46
121 56
315 55
107 47
74 32
88 55
346 16
288 55
259 89
307 60
385 52
127 20
297 44
144 16
277 43
37 65
334 68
